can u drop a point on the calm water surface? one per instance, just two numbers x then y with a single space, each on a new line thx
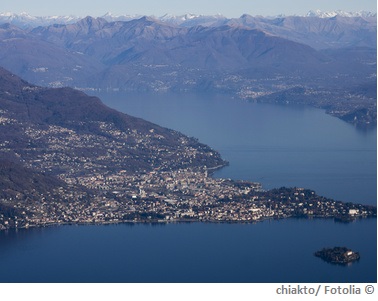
272 144
269 251
275 145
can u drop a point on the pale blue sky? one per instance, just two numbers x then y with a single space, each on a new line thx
233 8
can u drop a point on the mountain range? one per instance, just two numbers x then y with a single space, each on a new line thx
246 56
318 29
25 20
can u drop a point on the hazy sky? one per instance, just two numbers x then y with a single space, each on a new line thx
229 8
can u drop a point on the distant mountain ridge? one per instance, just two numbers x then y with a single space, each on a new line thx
85 53
331 14
251 57
320 30
25 20
201 47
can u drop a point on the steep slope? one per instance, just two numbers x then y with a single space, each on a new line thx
17 181
67 134
236 48
42 62
103 40
148 41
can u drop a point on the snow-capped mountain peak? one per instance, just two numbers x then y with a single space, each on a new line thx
26 21
330 14
110 17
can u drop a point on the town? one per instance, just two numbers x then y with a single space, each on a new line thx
66 158
177 196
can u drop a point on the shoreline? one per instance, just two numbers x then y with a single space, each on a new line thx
180 221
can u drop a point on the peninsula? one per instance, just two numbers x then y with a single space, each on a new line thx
65 158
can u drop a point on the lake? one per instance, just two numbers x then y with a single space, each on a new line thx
275 145
269 251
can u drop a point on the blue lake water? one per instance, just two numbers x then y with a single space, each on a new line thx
275 145
269 251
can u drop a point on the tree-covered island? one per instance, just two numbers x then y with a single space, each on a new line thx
338 255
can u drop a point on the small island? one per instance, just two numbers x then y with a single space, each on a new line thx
338 255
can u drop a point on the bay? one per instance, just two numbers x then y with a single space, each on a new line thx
276 145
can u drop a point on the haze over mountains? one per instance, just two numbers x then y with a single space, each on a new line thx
315 22
252 57
25 20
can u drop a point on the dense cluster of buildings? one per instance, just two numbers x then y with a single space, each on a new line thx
181 195
109 175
